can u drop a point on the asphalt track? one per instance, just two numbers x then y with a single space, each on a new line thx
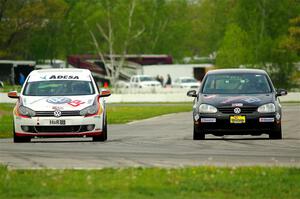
163 141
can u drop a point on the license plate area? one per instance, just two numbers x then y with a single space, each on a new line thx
237 119
57 122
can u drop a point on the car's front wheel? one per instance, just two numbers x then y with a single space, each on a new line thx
276 134
198 133
103 136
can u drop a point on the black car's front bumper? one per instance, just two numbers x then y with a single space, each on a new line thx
219 123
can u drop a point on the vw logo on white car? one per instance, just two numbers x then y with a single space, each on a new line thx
58 100
57 113
237 110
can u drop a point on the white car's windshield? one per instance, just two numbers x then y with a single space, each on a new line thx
236 84
58 88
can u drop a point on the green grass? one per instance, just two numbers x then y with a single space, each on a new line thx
119 114
123 114
6 120
194 182
8 88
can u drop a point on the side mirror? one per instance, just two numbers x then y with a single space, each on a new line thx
192 93
13 94
281 92
104 93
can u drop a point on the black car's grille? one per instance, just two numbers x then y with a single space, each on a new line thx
51 113
230 110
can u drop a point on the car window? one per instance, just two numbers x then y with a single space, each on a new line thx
58 88
236 84
146 79
188 80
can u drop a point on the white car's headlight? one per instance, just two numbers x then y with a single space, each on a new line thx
267 108
90 110
23 110
206 108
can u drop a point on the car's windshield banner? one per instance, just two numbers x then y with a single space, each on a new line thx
59 76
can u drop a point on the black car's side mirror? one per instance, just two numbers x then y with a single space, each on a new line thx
281 92
192 93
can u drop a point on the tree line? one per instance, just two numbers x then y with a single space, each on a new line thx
250 33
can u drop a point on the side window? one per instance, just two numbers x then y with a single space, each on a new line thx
137 79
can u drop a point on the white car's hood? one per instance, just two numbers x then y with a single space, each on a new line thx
66 103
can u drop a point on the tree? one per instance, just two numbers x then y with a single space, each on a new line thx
292 41
19 19
234 50
117 33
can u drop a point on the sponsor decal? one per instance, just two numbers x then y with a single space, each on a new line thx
251 99
237 110
266 119
237 105
76 103
64 77
196 117
242 98
58 100
57 108
208 120
232 99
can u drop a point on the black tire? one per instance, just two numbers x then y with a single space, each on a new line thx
103 136
198 134
276 134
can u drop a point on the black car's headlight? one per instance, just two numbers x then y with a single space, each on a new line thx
25 111
90 110
267 108
206 108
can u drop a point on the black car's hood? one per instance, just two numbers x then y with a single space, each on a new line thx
219 100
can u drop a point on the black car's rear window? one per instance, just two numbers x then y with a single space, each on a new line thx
239 83
59 88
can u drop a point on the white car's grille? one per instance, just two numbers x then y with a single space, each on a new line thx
51 113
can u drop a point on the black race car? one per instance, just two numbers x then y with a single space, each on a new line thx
237 102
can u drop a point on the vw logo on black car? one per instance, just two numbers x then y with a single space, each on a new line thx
58 100
237 110
57 113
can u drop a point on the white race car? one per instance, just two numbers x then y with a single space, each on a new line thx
60 103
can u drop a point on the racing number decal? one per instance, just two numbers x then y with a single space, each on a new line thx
76 103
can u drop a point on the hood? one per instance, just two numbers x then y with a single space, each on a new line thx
66 103
236 100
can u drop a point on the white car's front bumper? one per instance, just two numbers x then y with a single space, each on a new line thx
62 126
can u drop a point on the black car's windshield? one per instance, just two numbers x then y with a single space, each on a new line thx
59 88
241 83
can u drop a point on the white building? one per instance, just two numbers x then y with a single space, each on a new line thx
176 70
